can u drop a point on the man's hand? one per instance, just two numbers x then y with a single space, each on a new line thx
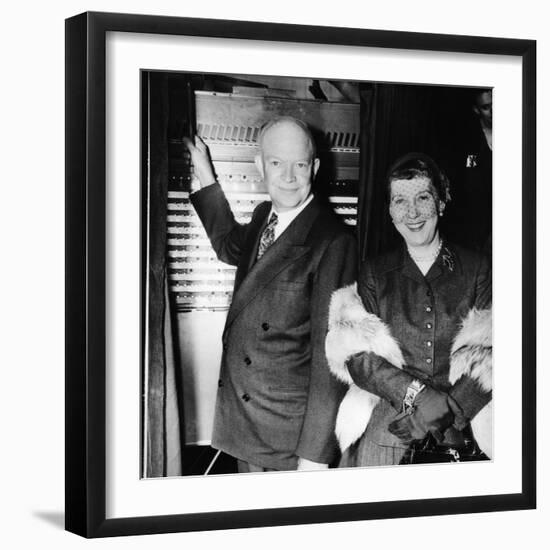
305 464
200 158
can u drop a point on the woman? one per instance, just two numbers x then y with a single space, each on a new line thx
415 344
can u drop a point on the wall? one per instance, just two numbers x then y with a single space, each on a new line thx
32 203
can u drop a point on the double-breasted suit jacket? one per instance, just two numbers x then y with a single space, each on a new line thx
277 400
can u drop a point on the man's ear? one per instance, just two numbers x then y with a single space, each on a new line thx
316 164
259 164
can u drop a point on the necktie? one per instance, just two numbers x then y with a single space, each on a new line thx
268 235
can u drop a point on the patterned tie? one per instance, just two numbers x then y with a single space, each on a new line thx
268 235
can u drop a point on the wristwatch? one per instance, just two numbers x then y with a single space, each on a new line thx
415 387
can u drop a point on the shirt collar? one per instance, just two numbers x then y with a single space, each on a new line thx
399 258
284 219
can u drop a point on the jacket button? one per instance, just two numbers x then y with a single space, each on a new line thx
220 383
429 343
247 361
245 397
265 326
428 309
428 325
428 360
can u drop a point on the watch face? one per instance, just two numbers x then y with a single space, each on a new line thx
413 390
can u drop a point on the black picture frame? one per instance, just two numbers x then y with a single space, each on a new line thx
86 268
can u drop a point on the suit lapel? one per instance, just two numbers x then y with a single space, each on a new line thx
401 260
445 263
437 269
410 269
284 251
251 246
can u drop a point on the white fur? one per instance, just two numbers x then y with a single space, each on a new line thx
472 350
471 353
354 415
352 330
476 329
482 428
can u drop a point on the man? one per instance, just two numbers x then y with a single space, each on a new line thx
470 217
277 400
483 109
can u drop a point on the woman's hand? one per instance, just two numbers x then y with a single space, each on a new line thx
200 158
373 373
433 412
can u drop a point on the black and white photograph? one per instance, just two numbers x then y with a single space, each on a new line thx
317 274
294 255
259 261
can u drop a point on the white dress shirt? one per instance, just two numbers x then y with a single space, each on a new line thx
286 218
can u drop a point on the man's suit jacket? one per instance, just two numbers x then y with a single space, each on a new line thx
276 398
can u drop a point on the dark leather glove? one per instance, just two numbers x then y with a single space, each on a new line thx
376 375
432 412
471 398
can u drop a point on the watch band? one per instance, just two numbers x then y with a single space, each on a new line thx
415 387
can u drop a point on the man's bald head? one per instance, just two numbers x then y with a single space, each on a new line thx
290 121
287 162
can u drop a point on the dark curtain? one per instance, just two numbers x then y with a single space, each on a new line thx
163 426
398 119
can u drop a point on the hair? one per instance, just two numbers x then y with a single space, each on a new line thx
297 122
475 93
418 165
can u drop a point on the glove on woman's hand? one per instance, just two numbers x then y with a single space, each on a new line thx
471 398
376 375
433 412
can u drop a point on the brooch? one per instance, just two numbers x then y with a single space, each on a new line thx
448 259
471 161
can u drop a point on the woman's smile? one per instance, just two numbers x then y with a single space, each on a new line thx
414 210
416 226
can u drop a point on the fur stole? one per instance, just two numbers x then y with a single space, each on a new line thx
352 329
472 355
